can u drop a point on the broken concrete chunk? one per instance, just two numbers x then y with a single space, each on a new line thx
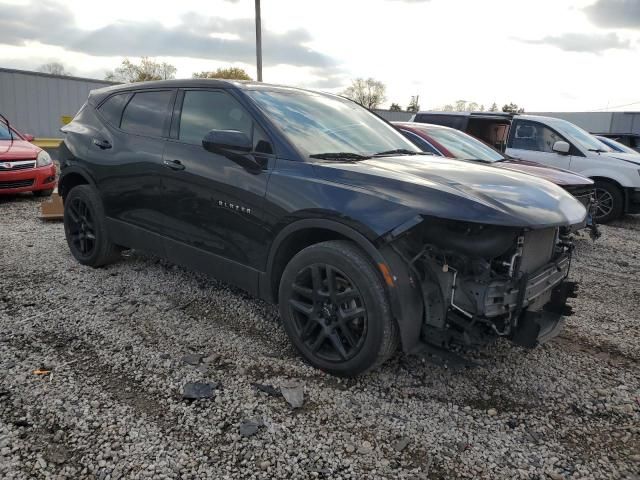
192 358
249 427
401 444
293 393
196 391
268 389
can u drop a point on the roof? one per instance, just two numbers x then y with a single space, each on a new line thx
470 114
61 77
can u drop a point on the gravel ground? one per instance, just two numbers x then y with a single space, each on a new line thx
115 340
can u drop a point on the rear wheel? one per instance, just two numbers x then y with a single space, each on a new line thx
335 309
85 228
609 201
43 193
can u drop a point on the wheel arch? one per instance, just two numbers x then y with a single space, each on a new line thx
404 298
73 177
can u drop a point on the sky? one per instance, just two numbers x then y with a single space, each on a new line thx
544 55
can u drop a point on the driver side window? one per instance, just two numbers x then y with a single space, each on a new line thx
204 110
533 136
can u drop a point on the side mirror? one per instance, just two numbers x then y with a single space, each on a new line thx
226 141
28 137
561 147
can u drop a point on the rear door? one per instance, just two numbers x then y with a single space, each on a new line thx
127 154
213 205
533 141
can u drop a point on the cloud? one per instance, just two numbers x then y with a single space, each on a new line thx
194 36
614 13
582 42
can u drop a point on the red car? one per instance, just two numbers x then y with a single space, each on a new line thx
448 142
23 166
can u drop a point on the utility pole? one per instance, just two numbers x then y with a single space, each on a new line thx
258 41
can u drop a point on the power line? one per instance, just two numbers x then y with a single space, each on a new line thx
616 106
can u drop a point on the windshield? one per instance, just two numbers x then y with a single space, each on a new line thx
4 132
577 135
317 123
464 146
617 146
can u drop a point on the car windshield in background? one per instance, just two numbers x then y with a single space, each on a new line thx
321 124
4 132
579 136
463 146
616 146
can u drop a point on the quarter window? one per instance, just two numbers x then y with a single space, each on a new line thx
147 113
111 110
533 136
203 111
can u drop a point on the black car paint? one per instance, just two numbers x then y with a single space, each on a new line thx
217 216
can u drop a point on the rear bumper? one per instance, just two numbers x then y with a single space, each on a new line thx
30 180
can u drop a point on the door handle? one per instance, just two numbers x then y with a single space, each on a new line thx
102 144
174 164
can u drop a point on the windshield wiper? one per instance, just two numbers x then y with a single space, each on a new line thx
339 156
401 151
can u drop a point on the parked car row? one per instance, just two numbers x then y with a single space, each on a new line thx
366 242
556 143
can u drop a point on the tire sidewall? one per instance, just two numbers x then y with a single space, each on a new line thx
90 198
618 201
375 305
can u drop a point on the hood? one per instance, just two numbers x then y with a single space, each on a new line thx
17 150
625 157
558 176
458 190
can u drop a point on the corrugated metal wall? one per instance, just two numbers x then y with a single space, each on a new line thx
34 102
600 122
390 116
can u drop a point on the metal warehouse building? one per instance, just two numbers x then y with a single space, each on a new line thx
35 102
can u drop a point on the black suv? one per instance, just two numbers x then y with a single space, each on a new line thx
311 201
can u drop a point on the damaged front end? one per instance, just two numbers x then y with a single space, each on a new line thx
477 282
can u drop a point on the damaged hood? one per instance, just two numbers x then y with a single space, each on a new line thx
459 190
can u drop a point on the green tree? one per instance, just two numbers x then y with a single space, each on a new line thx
147 69
494 107
369 93
512 108
395 107
231 73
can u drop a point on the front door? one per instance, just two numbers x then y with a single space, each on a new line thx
214 207
533 141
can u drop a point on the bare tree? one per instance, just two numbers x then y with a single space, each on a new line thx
494 107
231 73
369 93
473 107
54 68
461 105
414 106
147 69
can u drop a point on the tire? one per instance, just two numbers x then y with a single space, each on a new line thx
43 193
609 203
85 228
346 332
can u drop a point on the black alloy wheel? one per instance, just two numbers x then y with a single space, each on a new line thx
329 314
81 227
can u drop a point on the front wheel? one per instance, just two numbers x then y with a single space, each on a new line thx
609 202
335 310
85 228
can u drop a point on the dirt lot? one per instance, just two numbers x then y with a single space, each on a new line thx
114 340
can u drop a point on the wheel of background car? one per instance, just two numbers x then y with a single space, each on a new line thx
85 229
43 193
609 202
335 310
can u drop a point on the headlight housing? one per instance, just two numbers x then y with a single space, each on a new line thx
43 159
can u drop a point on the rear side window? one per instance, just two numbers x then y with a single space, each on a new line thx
111 110
457 122
147 113
204 110
533 136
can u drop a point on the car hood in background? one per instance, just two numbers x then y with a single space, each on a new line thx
558 176
627 157
17 150
459 190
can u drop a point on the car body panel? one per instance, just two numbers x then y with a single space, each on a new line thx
14 176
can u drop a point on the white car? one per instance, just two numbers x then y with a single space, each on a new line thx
556 143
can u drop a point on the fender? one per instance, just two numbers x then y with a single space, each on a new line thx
75 169
404 296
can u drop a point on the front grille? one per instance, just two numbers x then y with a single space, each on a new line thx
538 249
13 166
16 184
